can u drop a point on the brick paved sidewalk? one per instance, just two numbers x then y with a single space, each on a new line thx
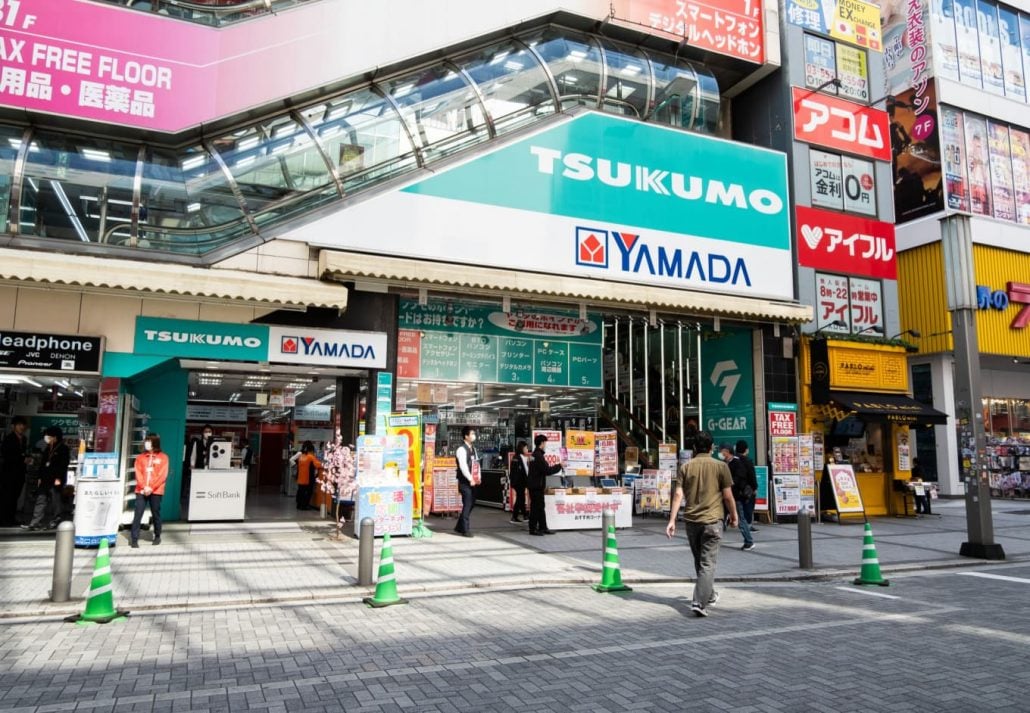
217 564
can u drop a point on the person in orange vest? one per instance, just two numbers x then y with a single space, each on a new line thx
308 470
151 469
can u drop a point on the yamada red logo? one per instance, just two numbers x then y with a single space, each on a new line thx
827 121
844 243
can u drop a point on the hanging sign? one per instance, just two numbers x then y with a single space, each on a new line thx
40 351
839 124
845 243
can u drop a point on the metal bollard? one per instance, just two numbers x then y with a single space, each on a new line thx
805 541
366 551
64 554
607 520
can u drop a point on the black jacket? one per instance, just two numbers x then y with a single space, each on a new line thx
12 455
55 464
749 471
739 472
539 470
517 476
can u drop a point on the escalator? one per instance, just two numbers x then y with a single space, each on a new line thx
211 198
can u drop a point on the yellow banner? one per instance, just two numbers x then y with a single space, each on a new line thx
867 369
857 22
409 427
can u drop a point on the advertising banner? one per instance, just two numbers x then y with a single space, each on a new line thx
1011 56
98 510
1020 142
846 243
852 21
569 511
839 124
990 47
968 43
783 419
446 496
729 27
866 304
945 48
859 185
407 427
834 305
827 182
853 73
553 447
978 161
579 446
953 150
762 494
727 385
806 472
595 196
1001 171
607 445
39 351
845 488
820 63
389 506
787 490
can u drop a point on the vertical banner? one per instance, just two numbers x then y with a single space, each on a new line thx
384 400
827 183
1001 171
1020 141
580 448
408 426
968 43
853 73
904 458
762 496
429 454
953 149
728 385
978 161
1011 57
945 49
786 475
820 63
990 46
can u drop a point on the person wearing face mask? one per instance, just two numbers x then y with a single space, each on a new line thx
468 478
151 468
51 479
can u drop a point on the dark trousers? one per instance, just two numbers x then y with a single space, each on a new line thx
749 510
923 504
537 518
304 493
9 495
142 501
520 502
468 501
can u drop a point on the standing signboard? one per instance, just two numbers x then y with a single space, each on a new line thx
786 475
98 499
762 494
845 488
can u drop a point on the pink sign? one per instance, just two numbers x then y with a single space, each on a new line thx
112 64
729 27
846 243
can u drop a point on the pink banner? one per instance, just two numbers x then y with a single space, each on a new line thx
729 27
111 64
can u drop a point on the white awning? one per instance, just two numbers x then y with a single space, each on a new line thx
148 279
347 266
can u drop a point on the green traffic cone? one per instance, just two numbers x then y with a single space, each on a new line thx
100 597
386 582
611 575
870 573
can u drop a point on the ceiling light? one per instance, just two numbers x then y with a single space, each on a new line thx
27 380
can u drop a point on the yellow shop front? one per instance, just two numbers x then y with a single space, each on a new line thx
856 394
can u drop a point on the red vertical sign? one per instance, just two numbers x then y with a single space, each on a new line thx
409 353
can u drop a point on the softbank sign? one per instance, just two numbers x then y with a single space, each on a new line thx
594 196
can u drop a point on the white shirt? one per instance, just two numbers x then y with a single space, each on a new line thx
463 461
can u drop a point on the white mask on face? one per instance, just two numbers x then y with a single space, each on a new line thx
48 439
147 446
472 438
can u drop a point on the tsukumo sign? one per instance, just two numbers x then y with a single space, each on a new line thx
838 124
594 196
845 243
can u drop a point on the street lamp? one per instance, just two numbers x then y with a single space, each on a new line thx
874 328
914 332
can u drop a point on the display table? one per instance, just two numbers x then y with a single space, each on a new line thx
218 495
389 506
582 511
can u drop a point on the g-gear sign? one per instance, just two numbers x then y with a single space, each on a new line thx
838 124
845 243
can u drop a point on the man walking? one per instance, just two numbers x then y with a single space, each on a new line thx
742 492
468 478
752 480
705 484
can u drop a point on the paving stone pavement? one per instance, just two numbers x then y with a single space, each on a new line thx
942 642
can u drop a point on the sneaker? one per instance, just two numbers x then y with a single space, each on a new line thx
157 540
748 547
698 610
714 600
134 545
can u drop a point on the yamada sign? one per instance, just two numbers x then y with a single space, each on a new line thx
594 196
838 124
845 243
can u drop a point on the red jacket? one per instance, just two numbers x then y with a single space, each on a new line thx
151 471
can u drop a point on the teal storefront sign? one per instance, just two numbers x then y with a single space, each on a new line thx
481 344
159 336
727 386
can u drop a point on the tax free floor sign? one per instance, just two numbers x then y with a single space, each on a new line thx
594 196
222 341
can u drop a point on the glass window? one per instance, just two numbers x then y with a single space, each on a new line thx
440 109
277 167
575 63
363 135
629 79
676 93
77 188
513 84
10 140
707 120
186 205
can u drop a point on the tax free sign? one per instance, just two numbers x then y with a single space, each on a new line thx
594 196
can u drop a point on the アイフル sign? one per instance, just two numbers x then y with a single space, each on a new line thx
41 351
827 121
845 243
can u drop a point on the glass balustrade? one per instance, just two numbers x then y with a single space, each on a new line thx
199 198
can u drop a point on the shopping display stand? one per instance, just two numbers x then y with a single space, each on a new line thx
839 493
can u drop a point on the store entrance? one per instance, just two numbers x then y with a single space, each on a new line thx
257 419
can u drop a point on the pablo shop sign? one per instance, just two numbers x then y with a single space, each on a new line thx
838 124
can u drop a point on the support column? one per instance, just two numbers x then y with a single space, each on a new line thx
972 442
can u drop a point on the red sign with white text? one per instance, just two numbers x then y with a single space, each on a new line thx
409 353
729 27
845 243
838 124
783 423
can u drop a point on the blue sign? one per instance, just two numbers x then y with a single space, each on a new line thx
389 506
158 336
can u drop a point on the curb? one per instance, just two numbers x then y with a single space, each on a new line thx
356 594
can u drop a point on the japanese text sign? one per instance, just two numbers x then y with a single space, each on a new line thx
853 21
845 243
783 419
729 27
838 124
832 303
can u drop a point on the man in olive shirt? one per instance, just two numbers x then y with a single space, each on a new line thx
706 484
